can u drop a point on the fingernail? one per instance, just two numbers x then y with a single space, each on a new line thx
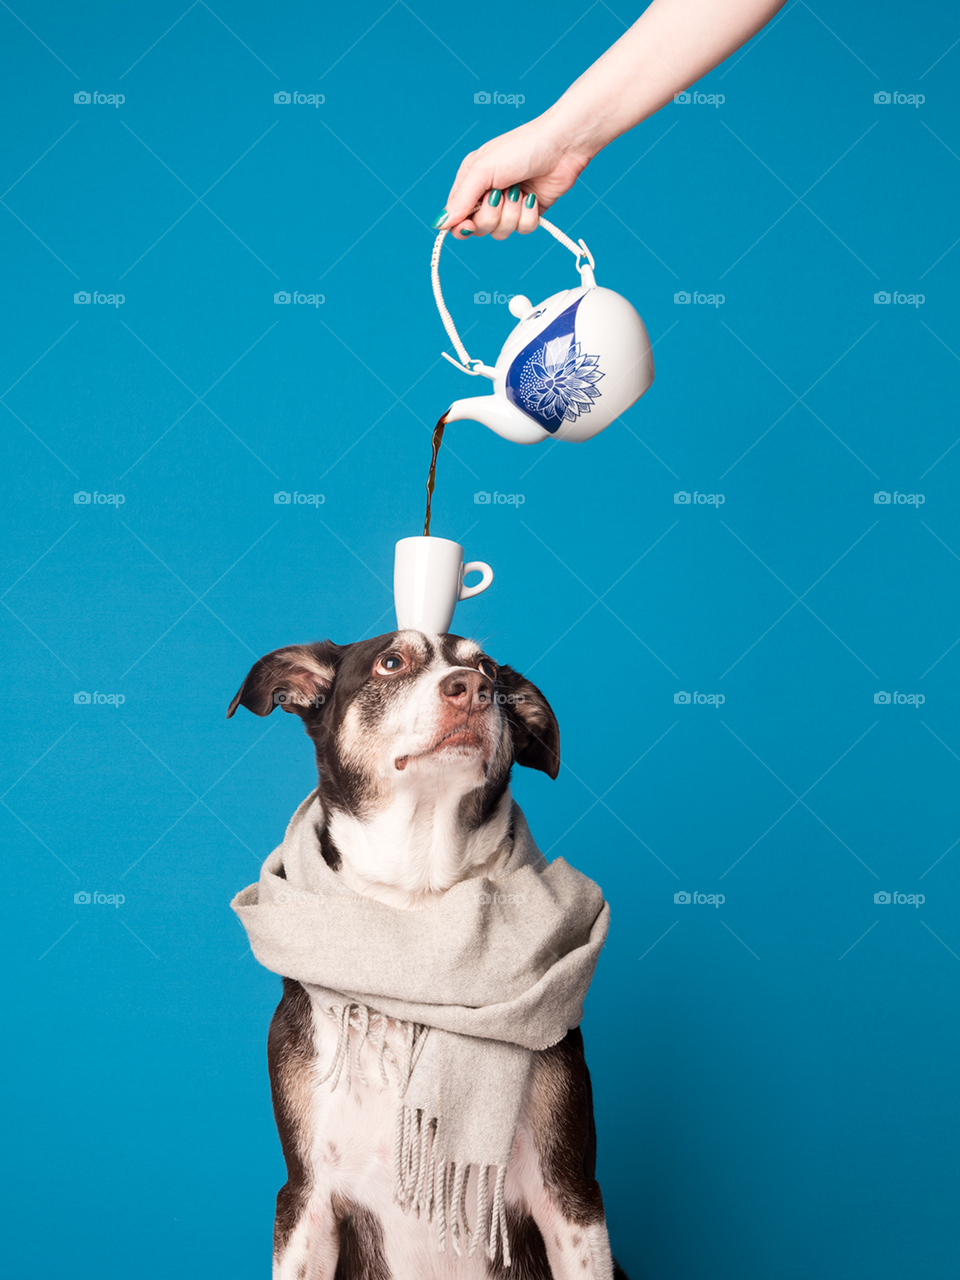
513 195
464 234
530 201
495 197
439 220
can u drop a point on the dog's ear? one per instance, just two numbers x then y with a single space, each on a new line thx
298 678
536 734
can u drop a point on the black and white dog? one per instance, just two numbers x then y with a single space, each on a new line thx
415 738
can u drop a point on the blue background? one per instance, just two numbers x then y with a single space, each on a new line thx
776 1076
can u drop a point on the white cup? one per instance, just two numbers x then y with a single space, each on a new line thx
428 578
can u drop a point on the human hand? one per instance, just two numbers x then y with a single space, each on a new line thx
504 186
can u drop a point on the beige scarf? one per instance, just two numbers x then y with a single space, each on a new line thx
478 981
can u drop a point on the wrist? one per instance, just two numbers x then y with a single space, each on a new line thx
570 134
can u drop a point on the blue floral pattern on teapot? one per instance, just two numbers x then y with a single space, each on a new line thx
551 380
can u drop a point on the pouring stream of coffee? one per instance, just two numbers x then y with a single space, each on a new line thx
432 474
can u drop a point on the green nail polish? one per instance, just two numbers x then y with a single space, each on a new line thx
464 234
530 201
439 220
513 195
495 197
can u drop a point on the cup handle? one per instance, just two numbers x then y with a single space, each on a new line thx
480 567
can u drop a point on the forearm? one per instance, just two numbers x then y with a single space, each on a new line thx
667 49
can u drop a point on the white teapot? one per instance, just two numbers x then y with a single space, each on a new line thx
570 367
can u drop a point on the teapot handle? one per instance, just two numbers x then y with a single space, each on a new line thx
579 250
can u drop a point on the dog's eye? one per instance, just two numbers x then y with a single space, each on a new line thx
487 668
390 663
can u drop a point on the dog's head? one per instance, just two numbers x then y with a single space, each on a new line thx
407 711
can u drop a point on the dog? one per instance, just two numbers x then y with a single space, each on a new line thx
415 739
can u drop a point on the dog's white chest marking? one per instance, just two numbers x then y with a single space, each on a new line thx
351 1153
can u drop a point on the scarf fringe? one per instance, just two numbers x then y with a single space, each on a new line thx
423 1182
372 1027
438 1189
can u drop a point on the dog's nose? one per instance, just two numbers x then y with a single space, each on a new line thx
467 690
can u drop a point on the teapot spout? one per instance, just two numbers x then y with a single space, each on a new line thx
497 413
